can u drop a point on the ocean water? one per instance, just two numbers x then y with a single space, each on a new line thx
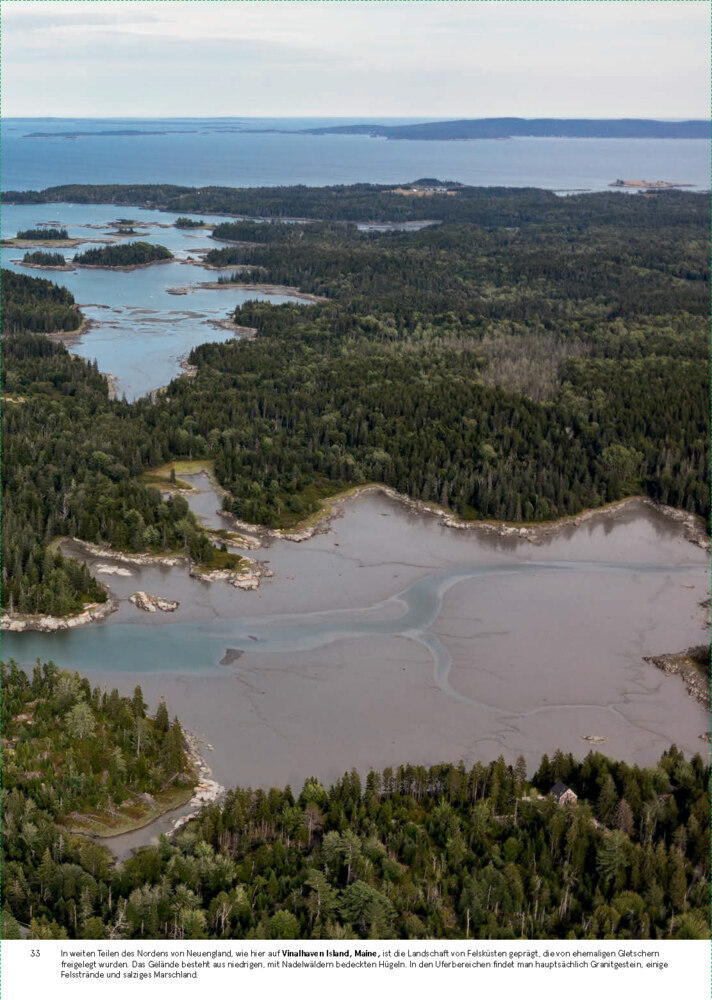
243 152
141 330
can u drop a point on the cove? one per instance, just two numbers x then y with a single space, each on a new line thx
139 331
394 638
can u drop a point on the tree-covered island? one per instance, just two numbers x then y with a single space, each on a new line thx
124 255
42 259
184 222
42 233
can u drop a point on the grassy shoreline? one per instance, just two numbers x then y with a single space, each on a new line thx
113 826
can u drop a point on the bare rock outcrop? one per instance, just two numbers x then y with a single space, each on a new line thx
151 603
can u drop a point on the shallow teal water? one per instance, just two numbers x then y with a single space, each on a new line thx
140 332
196 648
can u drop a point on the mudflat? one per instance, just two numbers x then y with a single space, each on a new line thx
391 637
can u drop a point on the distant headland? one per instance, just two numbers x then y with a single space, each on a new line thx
509 128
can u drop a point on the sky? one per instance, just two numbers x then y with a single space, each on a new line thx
281 58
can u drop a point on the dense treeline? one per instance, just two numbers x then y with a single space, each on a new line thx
37 305
72 462
78 750
412 852
76 759
123 255
183 222
489 206
250 231
518 372
47 259
458 363
42 233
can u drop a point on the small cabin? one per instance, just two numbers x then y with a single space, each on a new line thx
563 794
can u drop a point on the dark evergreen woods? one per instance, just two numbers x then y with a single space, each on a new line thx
512 372
44 258
447 851
58 477
42 233
537 357
183 222
35 305
123 255
525 358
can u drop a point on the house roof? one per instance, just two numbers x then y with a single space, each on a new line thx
559 788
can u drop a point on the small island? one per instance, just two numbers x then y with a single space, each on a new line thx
44 236
183 222
42 233
124 256
46 261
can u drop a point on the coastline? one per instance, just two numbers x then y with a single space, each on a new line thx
124 267
294 293
533 532
202 790
13 621
44 267
249 576
71 337
137 558
53 244
241 332
688 665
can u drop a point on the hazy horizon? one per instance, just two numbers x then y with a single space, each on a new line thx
449 59
354 117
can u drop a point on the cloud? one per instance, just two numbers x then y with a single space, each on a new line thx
442 59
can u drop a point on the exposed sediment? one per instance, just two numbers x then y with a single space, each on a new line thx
690 666
137 558
693 526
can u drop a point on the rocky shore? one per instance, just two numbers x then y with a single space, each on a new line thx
692 665
207 789
693 526
151 603
44 267
242 332
13 622
244 579
112 384
137 558
189 371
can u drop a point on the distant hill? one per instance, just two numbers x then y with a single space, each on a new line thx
505 128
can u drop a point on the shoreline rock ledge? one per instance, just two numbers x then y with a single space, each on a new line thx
151 603
13 622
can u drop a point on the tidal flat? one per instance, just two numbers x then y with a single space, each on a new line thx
391 637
